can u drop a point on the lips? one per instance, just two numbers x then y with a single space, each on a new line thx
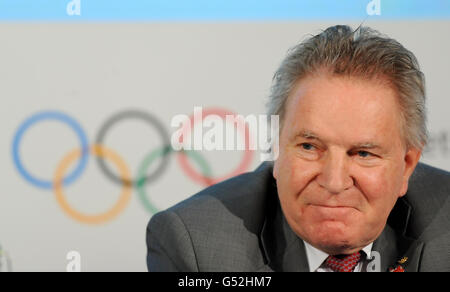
330 212
331 206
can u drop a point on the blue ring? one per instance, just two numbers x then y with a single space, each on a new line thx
50 115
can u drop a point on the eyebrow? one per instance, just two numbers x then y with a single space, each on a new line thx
367 145
306 134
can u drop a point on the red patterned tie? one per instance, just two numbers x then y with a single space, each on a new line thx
343 263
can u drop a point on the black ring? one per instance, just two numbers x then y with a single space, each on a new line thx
140 115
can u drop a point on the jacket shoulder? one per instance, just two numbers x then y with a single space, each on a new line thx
233 194
224 221
429 196
427 177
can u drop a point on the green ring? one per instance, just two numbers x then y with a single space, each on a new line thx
150 158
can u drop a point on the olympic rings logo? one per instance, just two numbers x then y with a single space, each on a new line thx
62 179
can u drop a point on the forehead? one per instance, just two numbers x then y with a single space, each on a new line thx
344 109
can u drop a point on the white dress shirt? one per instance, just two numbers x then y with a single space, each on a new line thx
316 258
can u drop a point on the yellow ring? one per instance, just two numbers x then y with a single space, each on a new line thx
125 195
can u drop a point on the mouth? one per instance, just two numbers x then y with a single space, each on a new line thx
332 212
332 207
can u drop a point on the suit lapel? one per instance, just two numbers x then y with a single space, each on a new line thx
283 249
414 254
393 245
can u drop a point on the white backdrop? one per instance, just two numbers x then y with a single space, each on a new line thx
91 71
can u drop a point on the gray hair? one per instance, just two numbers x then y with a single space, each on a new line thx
363 53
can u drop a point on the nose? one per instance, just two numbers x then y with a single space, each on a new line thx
334 175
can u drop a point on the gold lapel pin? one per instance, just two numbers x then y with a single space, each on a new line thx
399 266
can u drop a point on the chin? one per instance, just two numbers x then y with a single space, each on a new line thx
332 237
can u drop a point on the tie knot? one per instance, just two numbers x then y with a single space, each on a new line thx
343 263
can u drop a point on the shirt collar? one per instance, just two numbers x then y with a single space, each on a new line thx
316 257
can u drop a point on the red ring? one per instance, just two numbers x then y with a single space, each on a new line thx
242 167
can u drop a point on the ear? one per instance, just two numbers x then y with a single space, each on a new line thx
275 171
277 162
276 151
411 159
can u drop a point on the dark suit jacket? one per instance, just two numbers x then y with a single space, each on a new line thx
238 225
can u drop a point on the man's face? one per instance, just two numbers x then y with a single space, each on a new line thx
343 162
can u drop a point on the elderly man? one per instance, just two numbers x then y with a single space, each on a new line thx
346 192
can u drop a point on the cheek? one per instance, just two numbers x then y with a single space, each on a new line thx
294 176
381 186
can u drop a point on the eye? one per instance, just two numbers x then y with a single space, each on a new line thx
364 154
308 151
307 146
